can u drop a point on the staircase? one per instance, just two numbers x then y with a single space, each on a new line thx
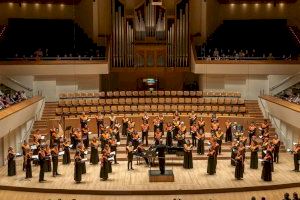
42 125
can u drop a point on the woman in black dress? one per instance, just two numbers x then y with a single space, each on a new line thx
254 148
104 166
201 125
81 150
169 139
11 168
200 137
228 137
85 136
125 124
188 156
239 166
47 163
94 159
77 167
234 150
266 174
66 156
28 164
100 123
83 120
211 165
193 132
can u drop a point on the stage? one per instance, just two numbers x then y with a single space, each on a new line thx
136 182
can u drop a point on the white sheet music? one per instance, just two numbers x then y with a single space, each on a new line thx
33 147
35 157
61 153
42 137
71 145
112 153
85 152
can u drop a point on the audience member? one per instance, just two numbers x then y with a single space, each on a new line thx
7 100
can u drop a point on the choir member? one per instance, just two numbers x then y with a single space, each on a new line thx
113 147
176 124
169 137
251 131
243 139
28 168
145 131
145 117
214 127
100 123
242 151
271 149
264 147
104 170
211 161
219 138
296 153
81 150
201 125
228 136
85 136
115 132
216 146
66 156
156 123
11 163
37 137
157 136
276 144
35 150
105 137
135 139
130 131
194 130
77 167
140 151
94 158
112 120
54 156
47 163
188 155
25 146
108 151
264 127
161 149
42 158
234 150
180 137
254 148
192 118
161 123
239 166
267 168
129 151
124 124
176 116
73 138
83 120
200 137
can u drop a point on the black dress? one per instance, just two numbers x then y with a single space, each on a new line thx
267 171
11 165
47 164
83 167
188 160
200 146
104 170
254 159
239 169
124 128
94 159
228 137
28 167
77 170
211 165
233 155
42 166
169 139
66 156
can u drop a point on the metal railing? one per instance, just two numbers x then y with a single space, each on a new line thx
85 58
241 58
284 81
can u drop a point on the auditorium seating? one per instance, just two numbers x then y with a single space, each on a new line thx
156 101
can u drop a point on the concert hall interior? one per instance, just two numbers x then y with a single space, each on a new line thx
153 99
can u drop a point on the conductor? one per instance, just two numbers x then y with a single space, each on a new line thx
160 149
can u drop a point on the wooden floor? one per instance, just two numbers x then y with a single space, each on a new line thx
121 181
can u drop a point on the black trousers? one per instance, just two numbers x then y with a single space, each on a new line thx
129 164
162 163
145 135
41 176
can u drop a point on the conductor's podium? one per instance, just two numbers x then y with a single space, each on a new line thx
156 176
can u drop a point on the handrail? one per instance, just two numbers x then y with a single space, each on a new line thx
18 83
283 81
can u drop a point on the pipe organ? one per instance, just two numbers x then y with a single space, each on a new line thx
149 37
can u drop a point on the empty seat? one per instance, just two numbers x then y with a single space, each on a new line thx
223 94
192 93
109 94
120 109
201 109
242 109
122 101
173 93
86 109
107 109
214 100
186 93
207 108
180 108
175 100
161 93
234 101
167 108
127 108
147 93
153 108
81 102
108 101
174 107
95 102
167 93
227 101
115 101
194 100
101 101
168 100
221 109
179 93
71 95
100 109
228 109
155 100
161 100
122 94
154 93
129 93
241 101
194 108
207 100
221 100
214 109
116 94
187 100
79 110
141 100
61 103
96 94
88 102
148 100
147 108
77 94
94 109
66 110
187 108
58 111
75 102
114 109
128 101
199 93
210 94
84 94
201 100
141 108
160 108
205 94
237 94
235 109
141 93
135 100
101 94
181 100
63 96
135 93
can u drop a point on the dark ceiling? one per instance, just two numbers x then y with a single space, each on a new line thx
67 2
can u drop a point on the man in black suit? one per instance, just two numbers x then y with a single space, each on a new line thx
161 148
